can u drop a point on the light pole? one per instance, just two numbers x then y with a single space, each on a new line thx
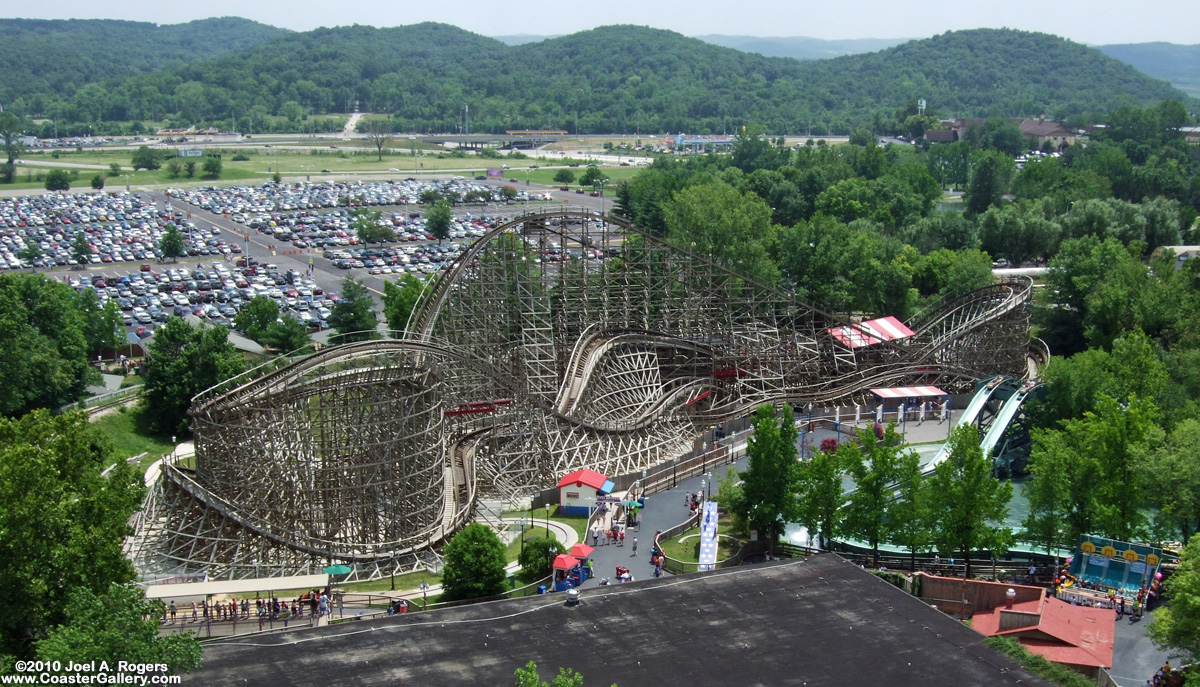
424 587
674 467
547 519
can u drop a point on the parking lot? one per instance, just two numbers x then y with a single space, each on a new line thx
289 242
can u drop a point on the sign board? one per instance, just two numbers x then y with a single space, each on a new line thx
493 172
607 499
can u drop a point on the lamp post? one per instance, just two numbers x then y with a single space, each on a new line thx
547 519
674 467
424 587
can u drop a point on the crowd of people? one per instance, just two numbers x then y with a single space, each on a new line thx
266 610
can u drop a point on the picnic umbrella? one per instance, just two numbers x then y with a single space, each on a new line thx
337 570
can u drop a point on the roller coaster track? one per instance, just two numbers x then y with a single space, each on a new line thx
520 362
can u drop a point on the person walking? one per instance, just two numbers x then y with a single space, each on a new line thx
172 611
634 547
595 537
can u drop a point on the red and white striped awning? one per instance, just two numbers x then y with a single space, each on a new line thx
908 391
871 332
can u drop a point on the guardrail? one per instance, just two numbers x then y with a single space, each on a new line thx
753 548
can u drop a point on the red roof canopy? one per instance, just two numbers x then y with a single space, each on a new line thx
581 550
871 332
590 478
564 562
908 391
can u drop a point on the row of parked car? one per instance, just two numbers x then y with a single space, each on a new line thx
216 293
248 201
42 231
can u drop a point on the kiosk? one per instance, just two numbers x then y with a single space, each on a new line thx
568 573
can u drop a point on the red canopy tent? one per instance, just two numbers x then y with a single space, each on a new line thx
581 551
565 562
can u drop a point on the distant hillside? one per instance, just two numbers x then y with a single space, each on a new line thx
619 79
801 47
523 38
1178 64
57 56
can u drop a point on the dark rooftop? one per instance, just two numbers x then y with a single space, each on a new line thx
820 621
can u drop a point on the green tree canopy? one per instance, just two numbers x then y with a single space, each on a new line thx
771 480
144 158
438 220
286 335
565 177
183 361
58 180
256 317
171 243
874 464
63 522
474 564
81 248
369 226
1176 627
212 167
120 624
537 556
399 299
43 344
967 504
354 315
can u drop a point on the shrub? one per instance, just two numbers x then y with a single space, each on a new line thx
537 558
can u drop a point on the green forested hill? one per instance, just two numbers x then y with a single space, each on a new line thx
1178 64
612 79
55 57
801 47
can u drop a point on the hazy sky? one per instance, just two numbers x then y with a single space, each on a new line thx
1094 21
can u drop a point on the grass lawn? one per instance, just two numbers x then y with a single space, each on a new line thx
689 551
127 442
575 522
294 163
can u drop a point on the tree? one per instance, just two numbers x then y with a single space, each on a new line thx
873 463
183 361
144 158
507 193
256 317
821 496
104 328
1173 474
399 299
567 677
475 564
429 197
379 134
286 335
989 181
353 316
171 243
967 504
58 180
212 167
43 344
98 181
190 168
909 515
565 177
438 220
1048 489
175 167
81 248
10 137
1176 627
114 168
64 522
31 253
771 479
120 624
370 227
537 556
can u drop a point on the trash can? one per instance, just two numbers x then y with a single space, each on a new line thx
541 589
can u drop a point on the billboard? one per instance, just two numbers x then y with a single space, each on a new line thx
495 173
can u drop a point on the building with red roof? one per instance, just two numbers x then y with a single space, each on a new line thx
578 491
1080 637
